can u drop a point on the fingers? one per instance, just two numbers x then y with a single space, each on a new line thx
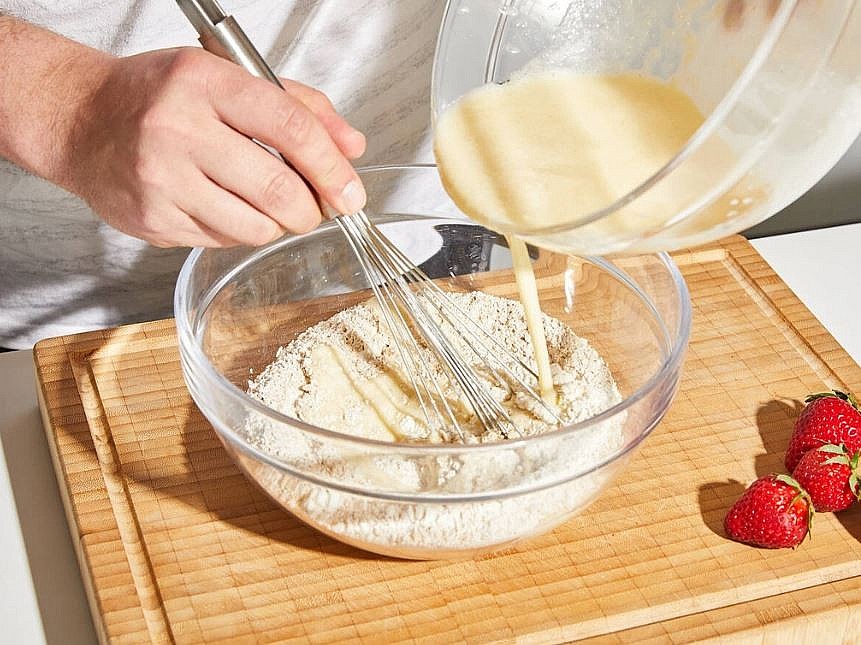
265 112
205 215
350 141
230 219
245 169
164 224
190 232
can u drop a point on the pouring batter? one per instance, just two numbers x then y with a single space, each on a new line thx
550 149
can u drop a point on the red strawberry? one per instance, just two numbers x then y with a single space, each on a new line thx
829 417
830 476
774 513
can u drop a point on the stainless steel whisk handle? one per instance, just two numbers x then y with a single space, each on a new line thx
221 35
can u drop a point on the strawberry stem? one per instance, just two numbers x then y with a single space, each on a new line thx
839 452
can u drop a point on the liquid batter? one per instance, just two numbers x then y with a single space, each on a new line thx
522 266
550 149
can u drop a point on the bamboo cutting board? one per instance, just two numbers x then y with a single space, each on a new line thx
176 546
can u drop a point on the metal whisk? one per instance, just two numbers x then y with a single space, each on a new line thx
413 306
410 300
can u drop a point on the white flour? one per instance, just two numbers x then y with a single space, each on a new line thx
315 385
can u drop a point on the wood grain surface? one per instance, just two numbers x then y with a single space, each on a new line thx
175 545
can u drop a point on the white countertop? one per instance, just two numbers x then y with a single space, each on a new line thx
42 598
823 268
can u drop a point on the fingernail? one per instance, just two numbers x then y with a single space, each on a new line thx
359 137
353 197
360 143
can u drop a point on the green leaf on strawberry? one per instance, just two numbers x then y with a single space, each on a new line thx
830 475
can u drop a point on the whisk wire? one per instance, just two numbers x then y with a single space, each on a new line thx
382 295
454 316
381 284
485 407
433 336
394 277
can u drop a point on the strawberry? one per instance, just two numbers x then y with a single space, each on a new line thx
830 476
774 513
829 417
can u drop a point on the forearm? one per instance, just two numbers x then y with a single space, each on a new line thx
161 144
46 80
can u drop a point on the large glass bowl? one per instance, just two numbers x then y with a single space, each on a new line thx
779 82
234 308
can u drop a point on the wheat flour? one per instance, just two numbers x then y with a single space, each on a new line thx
323 378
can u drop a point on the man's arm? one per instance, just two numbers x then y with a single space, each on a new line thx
160 144
46 80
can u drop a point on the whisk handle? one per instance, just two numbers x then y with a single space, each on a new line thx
221 35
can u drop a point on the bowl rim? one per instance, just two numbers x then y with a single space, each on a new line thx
191 352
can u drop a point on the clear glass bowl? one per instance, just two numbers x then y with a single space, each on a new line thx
779 83
235 307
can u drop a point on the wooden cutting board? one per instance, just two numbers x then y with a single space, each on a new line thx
176 546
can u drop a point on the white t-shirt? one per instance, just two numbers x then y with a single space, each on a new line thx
63 270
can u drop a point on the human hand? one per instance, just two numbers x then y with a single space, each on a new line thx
162 150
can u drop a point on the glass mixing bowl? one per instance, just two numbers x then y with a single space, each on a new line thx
778 81
235 307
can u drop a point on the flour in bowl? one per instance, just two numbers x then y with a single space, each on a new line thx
345 374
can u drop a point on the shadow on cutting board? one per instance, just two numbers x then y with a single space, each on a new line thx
714 500
775 421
